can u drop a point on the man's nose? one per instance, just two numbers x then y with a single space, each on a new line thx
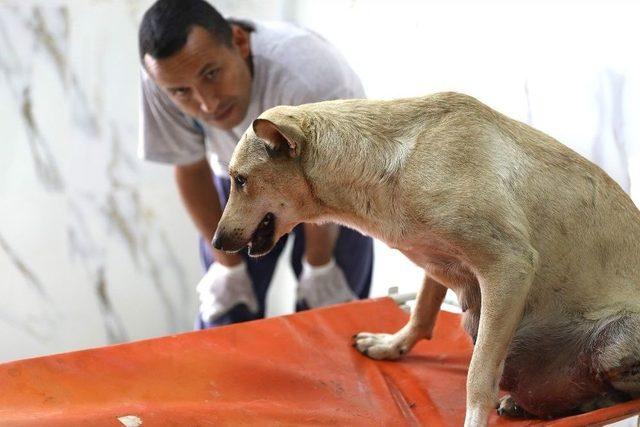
208 103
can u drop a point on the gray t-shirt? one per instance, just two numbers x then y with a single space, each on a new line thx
291 66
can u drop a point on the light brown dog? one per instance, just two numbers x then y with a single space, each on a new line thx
541 247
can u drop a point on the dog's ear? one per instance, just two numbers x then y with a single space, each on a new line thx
282 135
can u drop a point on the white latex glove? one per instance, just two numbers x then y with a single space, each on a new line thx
221 288
323 285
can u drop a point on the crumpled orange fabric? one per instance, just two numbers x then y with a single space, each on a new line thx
291 370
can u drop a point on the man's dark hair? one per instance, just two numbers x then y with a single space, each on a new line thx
166 25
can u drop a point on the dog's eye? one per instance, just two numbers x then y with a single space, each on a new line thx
240 181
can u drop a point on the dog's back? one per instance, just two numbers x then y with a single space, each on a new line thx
584 226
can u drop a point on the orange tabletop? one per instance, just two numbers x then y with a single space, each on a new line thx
291 370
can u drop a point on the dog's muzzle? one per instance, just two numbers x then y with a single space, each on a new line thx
262 239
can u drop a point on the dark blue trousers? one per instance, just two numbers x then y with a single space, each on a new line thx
353 254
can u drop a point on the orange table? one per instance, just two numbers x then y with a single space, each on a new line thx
290 370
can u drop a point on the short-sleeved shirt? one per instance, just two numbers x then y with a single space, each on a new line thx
291 66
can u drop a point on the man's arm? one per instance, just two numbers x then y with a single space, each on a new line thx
200 197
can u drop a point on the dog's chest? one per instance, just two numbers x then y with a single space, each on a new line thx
420 256
444 267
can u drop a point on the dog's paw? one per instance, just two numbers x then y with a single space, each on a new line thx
507 407
380 346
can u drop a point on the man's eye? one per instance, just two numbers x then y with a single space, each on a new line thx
240 181
212 74
180 93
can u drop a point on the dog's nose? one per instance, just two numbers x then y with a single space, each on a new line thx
218 241
228 240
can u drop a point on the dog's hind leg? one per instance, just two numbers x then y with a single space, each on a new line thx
558 369
420 325
616 349
508 407
626 378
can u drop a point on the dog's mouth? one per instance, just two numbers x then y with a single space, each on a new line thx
262 239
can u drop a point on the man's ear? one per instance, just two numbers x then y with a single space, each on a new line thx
240 39
285 136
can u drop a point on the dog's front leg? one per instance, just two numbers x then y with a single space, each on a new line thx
504 287
420 325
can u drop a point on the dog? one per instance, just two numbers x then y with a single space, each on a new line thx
541 247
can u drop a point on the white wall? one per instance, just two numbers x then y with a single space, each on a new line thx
94 244
89 251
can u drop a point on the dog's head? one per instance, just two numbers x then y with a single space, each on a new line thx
269 193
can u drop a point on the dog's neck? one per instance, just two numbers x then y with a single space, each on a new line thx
353 167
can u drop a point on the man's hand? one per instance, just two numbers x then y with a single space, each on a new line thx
324 285
322 282
222 288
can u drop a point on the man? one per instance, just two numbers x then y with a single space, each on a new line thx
204 80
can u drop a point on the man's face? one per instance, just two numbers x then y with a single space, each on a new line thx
207 79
